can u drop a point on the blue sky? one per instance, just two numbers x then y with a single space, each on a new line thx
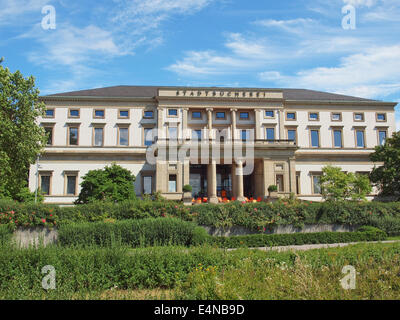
286 43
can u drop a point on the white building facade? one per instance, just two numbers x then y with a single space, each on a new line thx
228 143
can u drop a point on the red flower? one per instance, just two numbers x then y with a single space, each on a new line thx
51 215
44 220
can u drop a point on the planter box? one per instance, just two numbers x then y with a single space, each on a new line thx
187 198
25 237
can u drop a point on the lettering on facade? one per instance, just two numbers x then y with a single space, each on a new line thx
224 94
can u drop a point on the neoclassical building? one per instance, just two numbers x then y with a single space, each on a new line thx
224 142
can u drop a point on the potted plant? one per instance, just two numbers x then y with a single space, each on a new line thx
187 195
273 191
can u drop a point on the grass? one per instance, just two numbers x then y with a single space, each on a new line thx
201 273
308 277
394 238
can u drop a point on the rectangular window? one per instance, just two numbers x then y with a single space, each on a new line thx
381 117
71 185
270 133
45 184
337 138
49 113
124 114
172 183
315 138
98 137
291 116
172 112
74 113
196 115
73 138
313 116
99 114
269 114
173 133
316 184
298 183
49 133
291 134
244 115
360 138
148 136
196 135
359 117
220 115
123 136
382 137
279 182
147 185
244 135
150 114
336 117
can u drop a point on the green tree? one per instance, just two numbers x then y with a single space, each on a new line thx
113 183
21 137
338 185
387 176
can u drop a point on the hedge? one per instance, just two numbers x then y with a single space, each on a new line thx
5 234
255 216
269 240
80 272
133 233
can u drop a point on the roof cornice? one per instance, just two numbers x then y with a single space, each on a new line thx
341 102
89 98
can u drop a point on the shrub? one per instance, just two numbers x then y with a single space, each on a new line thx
187 188
273 188
263 240
134 233
82 273
5 234
258 216
113 183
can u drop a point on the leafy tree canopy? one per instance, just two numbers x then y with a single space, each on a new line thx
113 183
387 176
21 137
337 185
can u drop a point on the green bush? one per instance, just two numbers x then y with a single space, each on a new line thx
133 233
81 273
268 240
5 234
258 216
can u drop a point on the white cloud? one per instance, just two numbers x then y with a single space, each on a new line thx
12 10
361 3
145 15
71 46
372 73
292 26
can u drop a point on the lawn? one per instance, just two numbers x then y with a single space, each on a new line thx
201 272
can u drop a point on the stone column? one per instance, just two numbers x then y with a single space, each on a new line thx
160 123
209 124
161 176
281 124
292 173
185 131
212 182
233 115
257 127
269 176
240 190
